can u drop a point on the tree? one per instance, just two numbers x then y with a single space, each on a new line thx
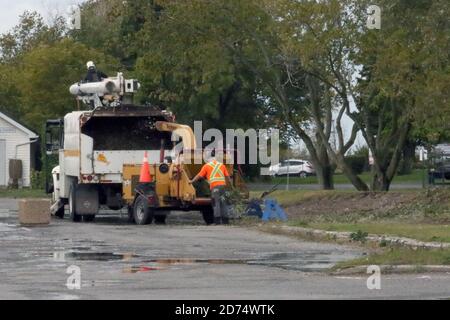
329 41
319 37
189 71
43 77
196 49
113 26
394 87
29 33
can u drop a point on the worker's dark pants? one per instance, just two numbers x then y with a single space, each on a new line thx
219 202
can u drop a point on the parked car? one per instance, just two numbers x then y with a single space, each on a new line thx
293 167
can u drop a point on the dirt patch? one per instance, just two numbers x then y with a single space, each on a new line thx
433 206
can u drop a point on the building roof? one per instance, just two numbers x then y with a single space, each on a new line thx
22 128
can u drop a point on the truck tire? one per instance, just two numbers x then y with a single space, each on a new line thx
208 215
74 216
142 213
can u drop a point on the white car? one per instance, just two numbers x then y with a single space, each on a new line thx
293 167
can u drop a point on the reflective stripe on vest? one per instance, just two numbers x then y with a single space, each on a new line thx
217 174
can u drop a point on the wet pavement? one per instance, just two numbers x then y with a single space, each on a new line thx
183 260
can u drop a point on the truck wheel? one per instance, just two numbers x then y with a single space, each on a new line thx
142 213
89 218
208 216
72 205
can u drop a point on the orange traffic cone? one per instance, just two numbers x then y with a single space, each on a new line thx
145 171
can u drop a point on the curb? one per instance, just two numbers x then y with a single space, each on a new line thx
392 269
346 237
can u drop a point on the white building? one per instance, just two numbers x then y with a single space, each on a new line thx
16 142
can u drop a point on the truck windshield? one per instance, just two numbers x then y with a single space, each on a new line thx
126 133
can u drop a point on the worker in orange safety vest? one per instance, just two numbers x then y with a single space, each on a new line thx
217 175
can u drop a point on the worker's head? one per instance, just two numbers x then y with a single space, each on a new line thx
90 65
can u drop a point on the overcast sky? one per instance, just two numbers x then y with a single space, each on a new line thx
11 10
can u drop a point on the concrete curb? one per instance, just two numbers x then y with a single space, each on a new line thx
392 269
346 237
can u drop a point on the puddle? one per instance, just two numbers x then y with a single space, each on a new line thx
92 256
164 264
302 261
169 262
298 261
140 269
307 262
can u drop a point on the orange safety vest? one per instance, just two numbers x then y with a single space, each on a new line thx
216 174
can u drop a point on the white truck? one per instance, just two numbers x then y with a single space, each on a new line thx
93 147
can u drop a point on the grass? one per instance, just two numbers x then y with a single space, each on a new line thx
401 256
421 215
22 193
294 197
415 177
422 232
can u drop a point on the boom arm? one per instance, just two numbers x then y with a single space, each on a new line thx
116 88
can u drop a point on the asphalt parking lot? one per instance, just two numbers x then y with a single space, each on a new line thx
183 260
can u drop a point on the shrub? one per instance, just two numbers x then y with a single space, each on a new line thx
359 236
37 180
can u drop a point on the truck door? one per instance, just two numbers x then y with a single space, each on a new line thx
54 142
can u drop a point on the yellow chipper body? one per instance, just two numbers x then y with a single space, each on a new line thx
171 180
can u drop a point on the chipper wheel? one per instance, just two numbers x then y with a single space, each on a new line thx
142 213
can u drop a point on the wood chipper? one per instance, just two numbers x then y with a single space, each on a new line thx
170 188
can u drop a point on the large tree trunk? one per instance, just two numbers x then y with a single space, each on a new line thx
319 157
325 169
381 182
355 180
325 176
386 167
408 158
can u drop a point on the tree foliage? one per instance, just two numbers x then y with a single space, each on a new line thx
38 68
300 66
